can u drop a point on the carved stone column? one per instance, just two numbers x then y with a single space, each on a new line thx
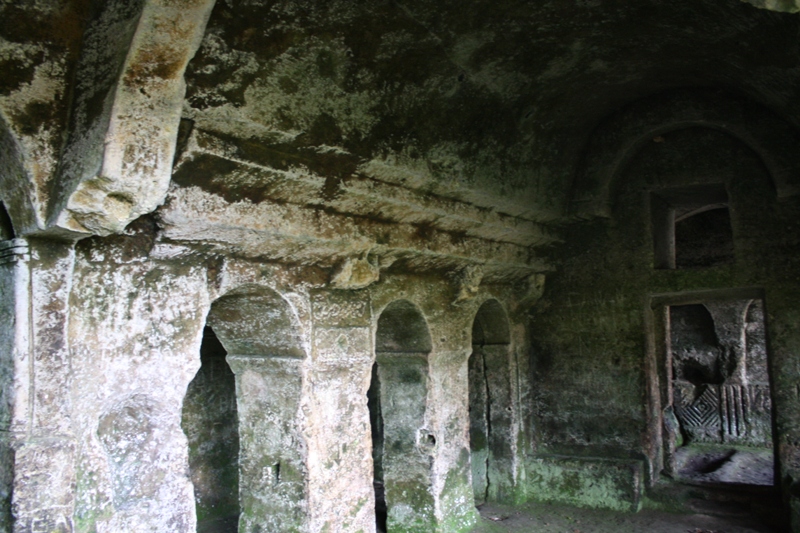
340 466
35 282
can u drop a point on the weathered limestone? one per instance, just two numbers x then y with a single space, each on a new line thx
133 357
402 345
492 407
129 88
340 450
38 443
14 276
135 161
362 200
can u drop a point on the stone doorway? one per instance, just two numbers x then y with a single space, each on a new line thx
397 400
490 406
718 420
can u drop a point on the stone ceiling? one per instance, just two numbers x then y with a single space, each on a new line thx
486 102
435 133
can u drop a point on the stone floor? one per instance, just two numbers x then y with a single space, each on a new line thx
546 518
721 464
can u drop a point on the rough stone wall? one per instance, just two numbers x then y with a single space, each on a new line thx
357 154
134 352
594 381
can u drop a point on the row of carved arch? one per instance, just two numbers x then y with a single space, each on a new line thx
245 322
257 330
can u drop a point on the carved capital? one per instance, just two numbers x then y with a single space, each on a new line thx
355 273
468 281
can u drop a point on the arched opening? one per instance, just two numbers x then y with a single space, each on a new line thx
258 331
402 446
691 227
490 405
210 422
6 227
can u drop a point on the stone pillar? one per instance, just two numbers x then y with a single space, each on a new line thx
272 451
35 279
449 398
340 452
14 370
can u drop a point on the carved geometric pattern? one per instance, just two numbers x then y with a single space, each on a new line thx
737 414
699 418
704 411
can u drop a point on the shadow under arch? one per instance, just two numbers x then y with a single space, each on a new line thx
402 447
490 405
260 334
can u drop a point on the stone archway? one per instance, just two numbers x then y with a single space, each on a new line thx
490 405
260 334
397 399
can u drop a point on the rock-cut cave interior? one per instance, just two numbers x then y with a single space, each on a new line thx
399 266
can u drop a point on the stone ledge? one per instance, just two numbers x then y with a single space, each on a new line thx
594 482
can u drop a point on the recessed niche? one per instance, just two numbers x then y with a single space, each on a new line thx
691 227
720 422
402 449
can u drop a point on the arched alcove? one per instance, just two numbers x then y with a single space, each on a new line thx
253 321
490 325
718 429
397 399
401 328
490 405
259 332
